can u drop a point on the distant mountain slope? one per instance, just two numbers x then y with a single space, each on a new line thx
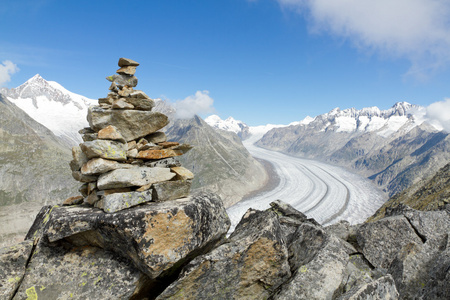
50 104
34 169
390 147
430 194
219 160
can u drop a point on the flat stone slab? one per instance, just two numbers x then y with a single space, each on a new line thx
158 154
137 176
120 201
132 124
171 190
105 149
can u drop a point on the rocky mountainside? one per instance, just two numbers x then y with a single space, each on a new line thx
219 160
430 194
390 147
230 124
178 250
53 106
33 169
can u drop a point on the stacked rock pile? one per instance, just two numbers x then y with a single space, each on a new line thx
125 160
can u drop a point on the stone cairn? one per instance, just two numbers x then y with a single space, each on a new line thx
125 160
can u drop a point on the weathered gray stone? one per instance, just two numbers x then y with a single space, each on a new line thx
105 149
58 272
122 80
171 190
13 262
97 166
78 176
123 62
141 104
93 197
156 137
132 124
89 137
380 289
79 158
164 163
132 153
136 176
321 277
251 265
120 201
125 92
157 237
414 262
382 240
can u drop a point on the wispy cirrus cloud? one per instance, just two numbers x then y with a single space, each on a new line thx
7 68
418 30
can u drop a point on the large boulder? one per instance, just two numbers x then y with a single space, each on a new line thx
59 271
132 124
382 240
157 237
250 265
13 262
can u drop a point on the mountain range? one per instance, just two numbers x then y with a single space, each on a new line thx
391 147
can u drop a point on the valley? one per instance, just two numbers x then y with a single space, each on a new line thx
324 192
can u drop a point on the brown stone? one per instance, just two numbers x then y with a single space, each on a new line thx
182 173
123 62
158 154
125 91
168 144
73 201
110 133
131 145
129 70
122 104
83 178
92 198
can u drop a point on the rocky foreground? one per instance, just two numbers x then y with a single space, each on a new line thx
178 249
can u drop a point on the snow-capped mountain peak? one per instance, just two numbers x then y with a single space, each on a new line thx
230 124
47 101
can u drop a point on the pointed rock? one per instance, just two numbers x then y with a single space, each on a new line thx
123 62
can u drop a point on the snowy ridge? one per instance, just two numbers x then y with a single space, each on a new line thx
243 130
230 124
370 119
50 104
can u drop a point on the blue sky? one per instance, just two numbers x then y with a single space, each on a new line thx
260 61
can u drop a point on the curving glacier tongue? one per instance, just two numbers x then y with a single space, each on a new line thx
324 192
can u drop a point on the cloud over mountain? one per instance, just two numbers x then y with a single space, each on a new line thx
7 68
200 103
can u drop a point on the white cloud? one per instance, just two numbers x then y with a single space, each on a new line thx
7 68
418 30
200 103
437 114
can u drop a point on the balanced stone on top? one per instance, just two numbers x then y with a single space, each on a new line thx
125 160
